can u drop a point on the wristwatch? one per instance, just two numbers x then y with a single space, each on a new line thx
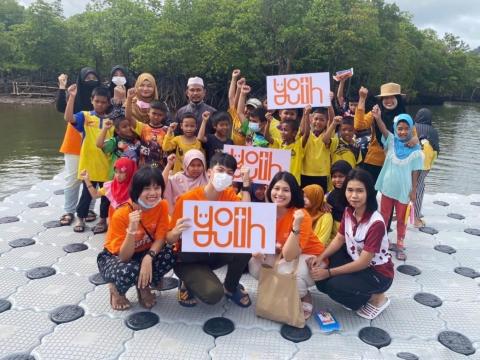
152 253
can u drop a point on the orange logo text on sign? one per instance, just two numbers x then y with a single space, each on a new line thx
229 227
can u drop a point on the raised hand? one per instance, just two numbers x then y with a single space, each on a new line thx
246 89
205 115
72 90
134 220
235 74
131 93
363 92
62 81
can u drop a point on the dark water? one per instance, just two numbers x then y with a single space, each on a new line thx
31 135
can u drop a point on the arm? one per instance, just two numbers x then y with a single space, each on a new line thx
241 102
291 250
72 93
128 246
61 102
168 140
131 93
168 168
413 192
327 137
340 96
201 132
232 90
331 110
377 115
361 120
91 189
246 184
267 134
305 125
101 137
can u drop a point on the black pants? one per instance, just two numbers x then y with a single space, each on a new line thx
196 271
315 180
355 289
125 274
86 198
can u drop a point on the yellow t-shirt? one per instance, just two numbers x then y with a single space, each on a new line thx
178 144
274 132
297 154
237 137
92 158
316 161
323 228
340 151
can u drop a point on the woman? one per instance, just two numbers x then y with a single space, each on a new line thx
145 92
295 237
119 84
136 251
360 267
194 175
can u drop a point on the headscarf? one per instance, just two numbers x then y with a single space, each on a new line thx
402 151
83 100
388 116
124 70
315 195
136 112
181 182
120 190
425 129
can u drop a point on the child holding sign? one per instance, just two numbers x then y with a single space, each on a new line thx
195 270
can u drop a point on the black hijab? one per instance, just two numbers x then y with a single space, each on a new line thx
124 70
425 129
83 100
388 116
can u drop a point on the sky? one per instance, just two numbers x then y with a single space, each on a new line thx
460 17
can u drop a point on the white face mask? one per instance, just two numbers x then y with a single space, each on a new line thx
221 181
147 206
255 127
119 80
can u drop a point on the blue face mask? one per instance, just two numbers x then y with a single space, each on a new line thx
255 127
146 206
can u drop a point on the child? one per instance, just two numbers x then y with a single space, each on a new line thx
322 222
90 124
294 142
193 175
116 191
182 143
213 143
360 268
397 180
124 143
342 147
336 198
316 161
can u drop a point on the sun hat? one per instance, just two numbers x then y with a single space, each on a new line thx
254 102
195 81
390 89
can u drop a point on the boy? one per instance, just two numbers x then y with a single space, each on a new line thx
92 159
343 147
213 143
195 270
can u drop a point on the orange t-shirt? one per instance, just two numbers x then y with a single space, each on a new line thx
72 141
309 242
155 220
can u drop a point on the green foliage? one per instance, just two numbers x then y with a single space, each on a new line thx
175 39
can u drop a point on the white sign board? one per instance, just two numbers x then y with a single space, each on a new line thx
263 163
298 90
229 227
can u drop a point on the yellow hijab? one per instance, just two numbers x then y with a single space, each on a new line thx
136 112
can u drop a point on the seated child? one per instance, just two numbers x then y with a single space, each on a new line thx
322 222
336 198
182 143
343 146
213 143
193 175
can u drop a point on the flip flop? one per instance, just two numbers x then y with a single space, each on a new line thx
91 216
79 228
238 295
184 297
307 310
100 228
392 247
370 312
67 219
400 255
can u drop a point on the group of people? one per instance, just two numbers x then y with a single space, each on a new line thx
124 145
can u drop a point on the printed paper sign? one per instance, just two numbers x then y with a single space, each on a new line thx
263 163
298 90
229 227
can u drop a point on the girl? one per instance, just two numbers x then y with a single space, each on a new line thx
398 178
322 222
116 190
428 136
119 80
136 251
295 237
182 143
336 198
145 92
360 267
193 175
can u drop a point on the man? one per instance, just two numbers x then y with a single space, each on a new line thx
196 93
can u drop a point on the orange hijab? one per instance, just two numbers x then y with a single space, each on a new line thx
315 195
136 112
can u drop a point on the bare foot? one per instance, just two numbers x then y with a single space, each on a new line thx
117 301
307 304
378 299
146 298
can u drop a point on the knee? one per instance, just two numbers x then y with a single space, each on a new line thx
211 295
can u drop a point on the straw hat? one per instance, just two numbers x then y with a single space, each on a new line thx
390 89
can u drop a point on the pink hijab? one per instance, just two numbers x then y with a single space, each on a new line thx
181 182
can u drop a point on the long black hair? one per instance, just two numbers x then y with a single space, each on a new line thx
366 179
297 199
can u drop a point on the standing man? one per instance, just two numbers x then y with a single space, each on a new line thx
196 94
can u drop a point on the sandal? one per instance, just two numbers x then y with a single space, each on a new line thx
143 300
370 312
400 255
185 297
393 247
67 219
238 296
307 310
91 216
79 227
100 228
120 307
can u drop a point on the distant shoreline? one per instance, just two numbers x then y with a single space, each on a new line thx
21 100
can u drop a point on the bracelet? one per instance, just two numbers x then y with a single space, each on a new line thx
329 273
